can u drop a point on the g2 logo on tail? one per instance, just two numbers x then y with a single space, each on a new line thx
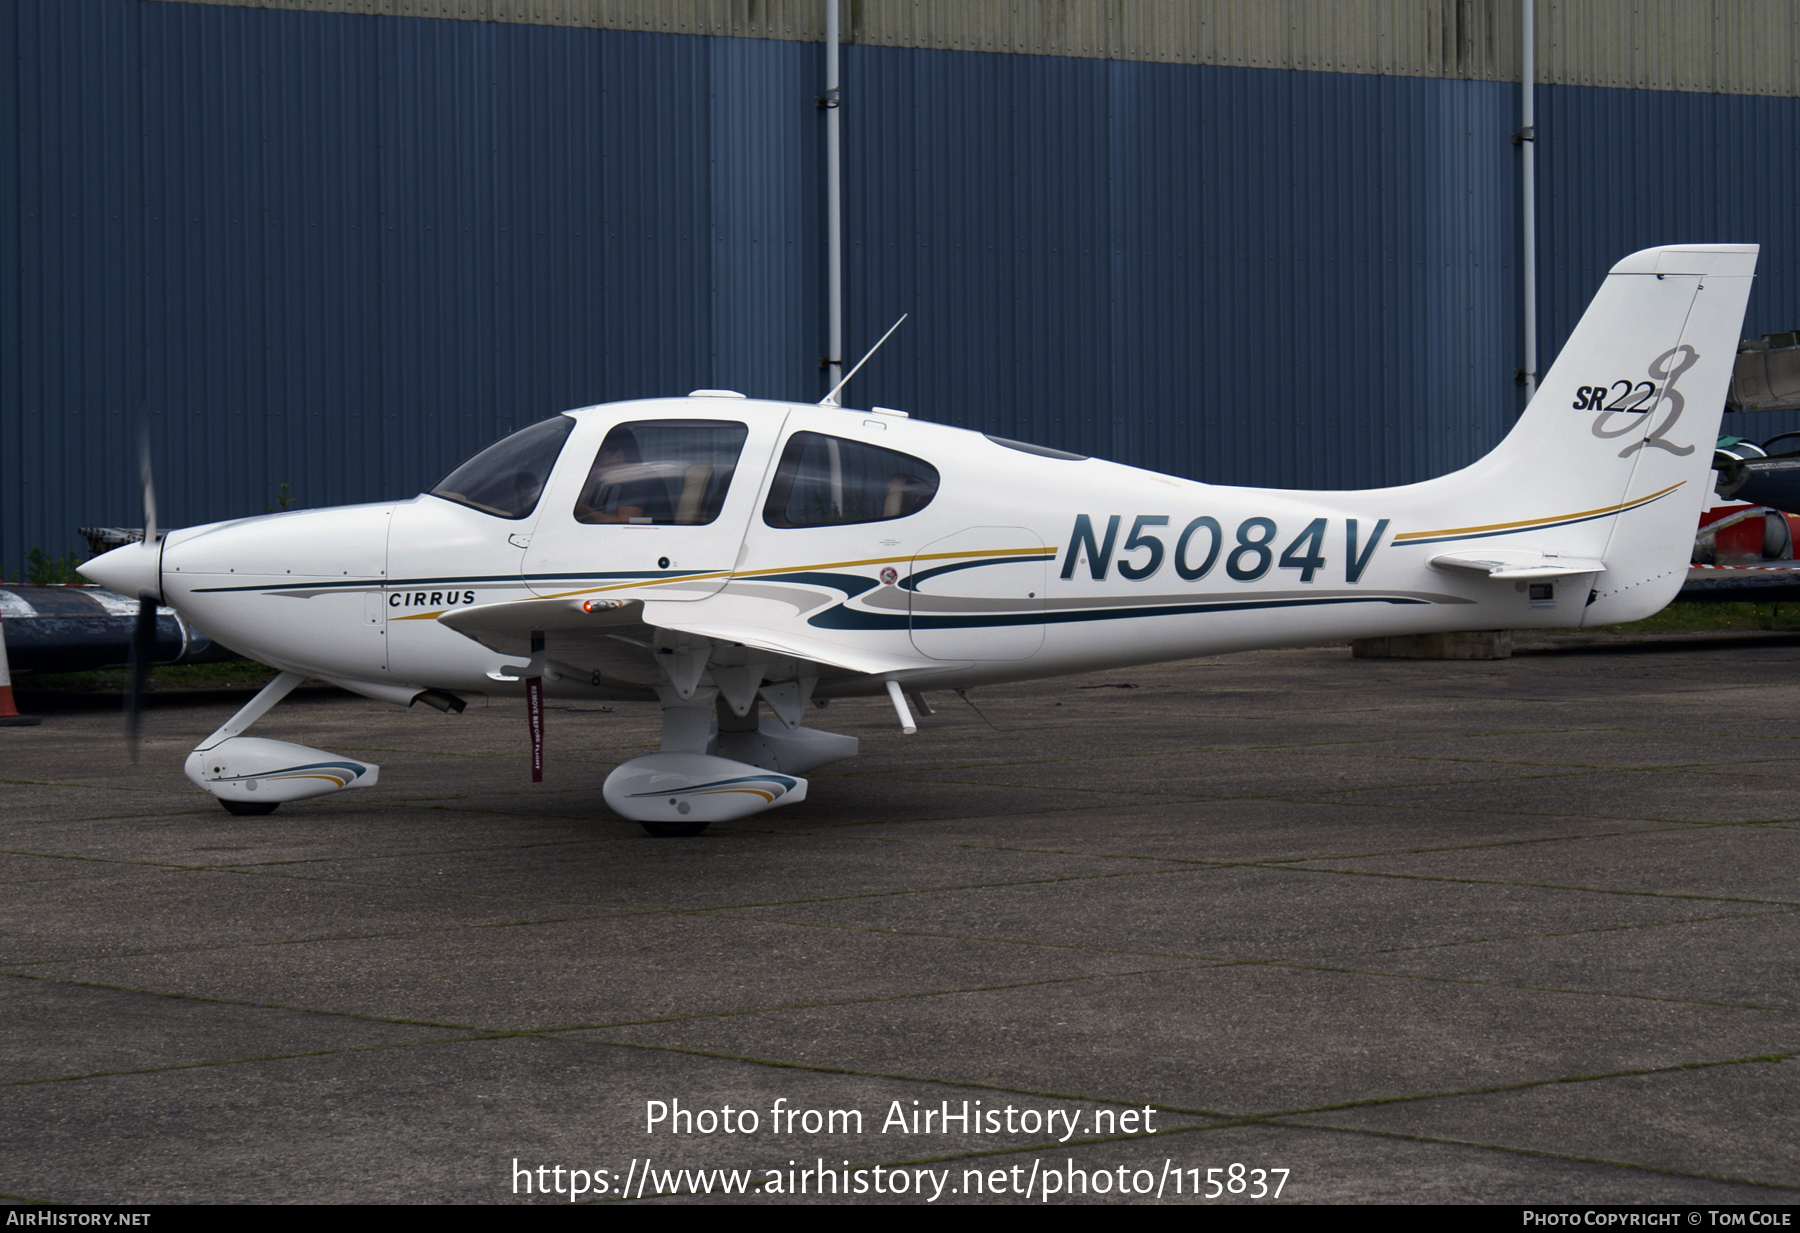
1628 396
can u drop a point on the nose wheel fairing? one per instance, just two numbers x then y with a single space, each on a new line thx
253 771
252 775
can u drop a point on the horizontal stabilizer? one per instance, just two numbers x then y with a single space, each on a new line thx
1516 564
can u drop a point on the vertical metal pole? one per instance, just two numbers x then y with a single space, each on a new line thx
1528 189
834 220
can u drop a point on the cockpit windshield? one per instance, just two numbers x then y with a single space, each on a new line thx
507 478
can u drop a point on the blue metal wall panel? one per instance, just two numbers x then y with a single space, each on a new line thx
345 251
1301 279
1621 170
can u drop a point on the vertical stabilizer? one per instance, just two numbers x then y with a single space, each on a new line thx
1613 458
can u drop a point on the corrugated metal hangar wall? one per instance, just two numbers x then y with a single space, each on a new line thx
340 244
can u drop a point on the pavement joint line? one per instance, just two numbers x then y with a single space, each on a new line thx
301 1010
613 912
1558 933
837 1003
1200 965
1307 965
803 828
1142 796
1185 961
574 841
1133 797
1542 1154
1222 1120
1463 783
1591 890
1204 960
1280 746
924 890
1300 794
1202 862
1215 862
344 882
608 909
1301 798
264 1057
254 943
255 866
427 805
1185 862
556 1029
251 866
735 911
1667 828
308 942
1521 1086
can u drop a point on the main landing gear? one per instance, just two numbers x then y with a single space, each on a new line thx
720 759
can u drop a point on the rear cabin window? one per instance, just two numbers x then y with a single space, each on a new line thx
657 472
829 481
507 478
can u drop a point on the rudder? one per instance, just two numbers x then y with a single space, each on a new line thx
1613 457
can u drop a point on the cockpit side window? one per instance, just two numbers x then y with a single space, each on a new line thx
507 478
829 481
656 472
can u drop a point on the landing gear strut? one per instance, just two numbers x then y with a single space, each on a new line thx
251 776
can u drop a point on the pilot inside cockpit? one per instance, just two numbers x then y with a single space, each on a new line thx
622 487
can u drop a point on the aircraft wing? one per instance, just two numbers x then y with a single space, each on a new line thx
601 634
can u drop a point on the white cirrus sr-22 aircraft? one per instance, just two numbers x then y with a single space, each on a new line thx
735 560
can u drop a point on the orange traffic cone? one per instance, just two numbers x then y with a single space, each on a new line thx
9 714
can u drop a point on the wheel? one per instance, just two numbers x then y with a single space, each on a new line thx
249 809
674 830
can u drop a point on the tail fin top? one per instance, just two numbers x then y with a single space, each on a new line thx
1613 457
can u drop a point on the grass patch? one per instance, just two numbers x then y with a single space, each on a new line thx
1680 617
227 674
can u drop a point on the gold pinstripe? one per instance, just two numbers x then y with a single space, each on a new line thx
1035 550
1537 522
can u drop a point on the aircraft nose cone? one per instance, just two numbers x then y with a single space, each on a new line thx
134 570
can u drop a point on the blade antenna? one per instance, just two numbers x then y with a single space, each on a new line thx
830 400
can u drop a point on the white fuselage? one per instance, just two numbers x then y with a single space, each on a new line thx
1022 565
